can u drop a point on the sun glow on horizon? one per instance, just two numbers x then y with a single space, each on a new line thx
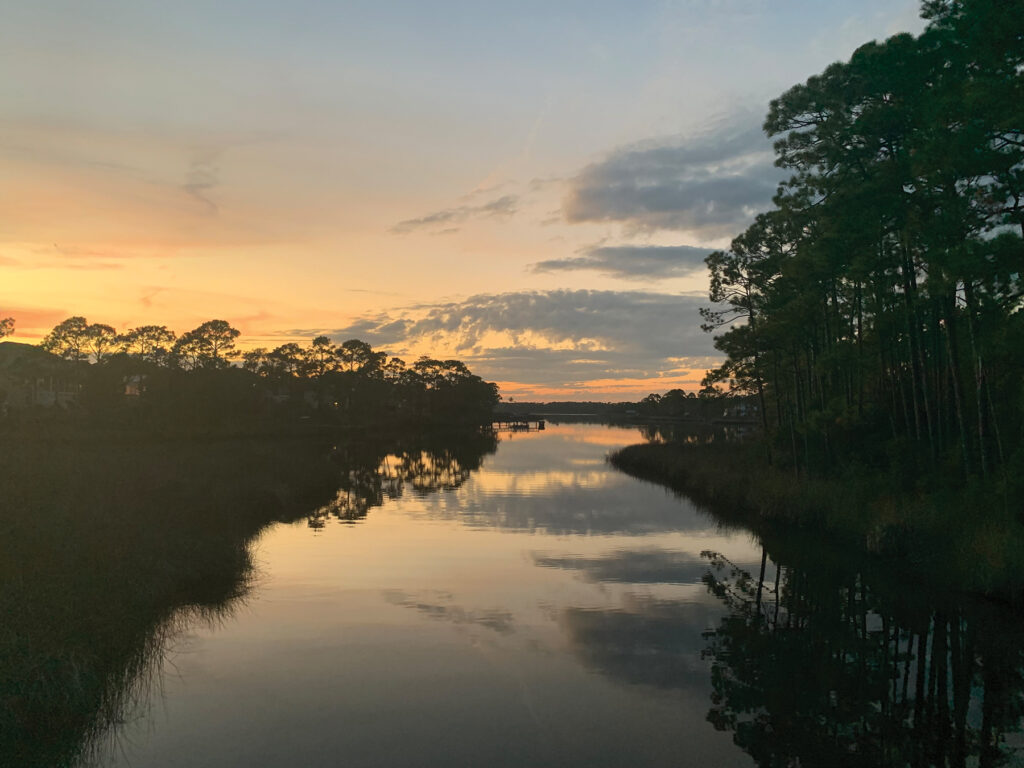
540 216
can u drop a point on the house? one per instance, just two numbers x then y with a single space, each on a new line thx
32 377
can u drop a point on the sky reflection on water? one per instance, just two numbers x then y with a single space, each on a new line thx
548 611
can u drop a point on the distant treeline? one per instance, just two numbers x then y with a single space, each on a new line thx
200 377
881 299
568 408
706 405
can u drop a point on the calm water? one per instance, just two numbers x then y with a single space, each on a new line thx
544 610
462 602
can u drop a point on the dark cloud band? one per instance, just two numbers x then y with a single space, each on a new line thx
712 185
506 205
633 262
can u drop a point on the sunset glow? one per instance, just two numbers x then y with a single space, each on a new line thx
522 187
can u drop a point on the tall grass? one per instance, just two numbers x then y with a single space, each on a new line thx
958 535
106 548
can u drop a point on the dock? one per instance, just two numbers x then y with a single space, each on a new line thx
517 423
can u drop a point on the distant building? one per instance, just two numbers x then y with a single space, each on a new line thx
746 408
31 377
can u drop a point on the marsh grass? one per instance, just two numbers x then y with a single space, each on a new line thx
108 548
942 531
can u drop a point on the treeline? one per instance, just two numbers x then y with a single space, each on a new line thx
880 300
203 376
567 408
709 403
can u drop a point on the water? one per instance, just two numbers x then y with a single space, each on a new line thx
542 610
438 600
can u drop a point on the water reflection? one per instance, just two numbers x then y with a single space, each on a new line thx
693 433
440 605
367 478
834 668
632 566
557 482
98 579
528 605
646 641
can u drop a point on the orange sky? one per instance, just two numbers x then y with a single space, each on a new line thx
530 189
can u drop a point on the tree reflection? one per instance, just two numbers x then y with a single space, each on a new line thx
371 473
824 668
692 433
97 578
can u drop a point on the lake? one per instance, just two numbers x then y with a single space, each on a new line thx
546 611
463 599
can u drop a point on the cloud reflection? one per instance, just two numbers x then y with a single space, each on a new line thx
636 566
646 642
439 606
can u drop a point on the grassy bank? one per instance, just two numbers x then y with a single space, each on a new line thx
113 539
965 537
105 548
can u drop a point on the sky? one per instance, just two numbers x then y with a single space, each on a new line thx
530 187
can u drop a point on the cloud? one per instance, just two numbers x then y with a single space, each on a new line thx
633 262
553 338
377 330
202 176
31 322
657 323
506 205
65 258
199 180
711 185
660 323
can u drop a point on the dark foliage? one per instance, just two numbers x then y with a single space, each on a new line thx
880 302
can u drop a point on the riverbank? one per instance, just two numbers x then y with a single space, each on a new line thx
102 547
111 540
962 536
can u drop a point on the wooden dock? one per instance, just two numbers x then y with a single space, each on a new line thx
517 423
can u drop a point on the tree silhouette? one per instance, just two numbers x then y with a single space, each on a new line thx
880 300
150 343
319 358
100 341
68 339
208 346
191 379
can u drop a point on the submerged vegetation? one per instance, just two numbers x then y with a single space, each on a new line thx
881 299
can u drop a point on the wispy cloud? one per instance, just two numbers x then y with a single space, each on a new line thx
65 258
506 205
32 322
202 177
632 262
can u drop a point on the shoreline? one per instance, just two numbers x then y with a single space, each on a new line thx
965 542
